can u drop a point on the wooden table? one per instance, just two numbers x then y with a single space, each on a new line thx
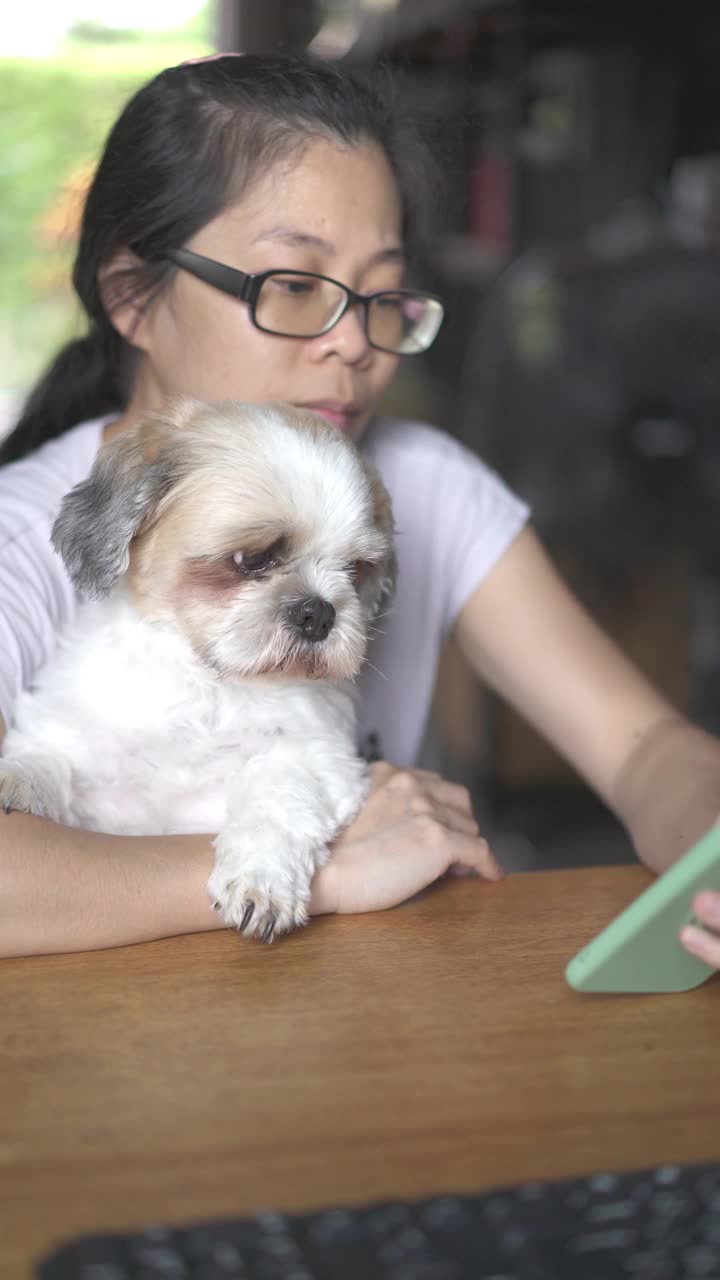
427 1049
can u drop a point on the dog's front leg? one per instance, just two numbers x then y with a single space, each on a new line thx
284 808
36 783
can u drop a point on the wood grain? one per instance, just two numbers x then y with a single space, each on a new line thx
432 1048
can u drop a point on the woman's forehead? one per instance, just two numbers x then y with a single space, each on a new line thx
330 195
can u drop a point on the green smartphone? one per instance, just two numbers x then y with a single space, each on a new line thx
640 950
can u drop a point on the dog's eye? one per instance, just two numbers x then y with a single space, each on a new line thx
251 563
359 571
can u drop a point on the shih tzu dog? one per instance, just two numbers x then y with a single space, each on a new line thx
233 558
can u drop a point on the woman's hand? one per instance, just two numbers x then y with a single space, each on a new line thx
413 828
698 942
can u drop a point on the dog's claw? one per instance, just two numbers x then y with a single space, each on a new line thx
7 808
254 908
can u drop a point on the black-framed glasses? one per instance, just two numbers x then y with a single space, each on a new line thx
302 304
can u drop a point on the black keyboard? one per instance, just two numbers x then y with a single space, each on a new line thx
656 1224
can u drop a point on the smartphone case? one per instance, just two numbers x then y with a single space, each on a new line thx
640 950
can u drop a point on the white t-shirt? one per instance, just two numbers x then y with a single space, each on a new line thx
454 520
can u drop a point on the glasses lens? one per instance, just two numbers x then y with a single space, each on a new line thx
298 305
405 323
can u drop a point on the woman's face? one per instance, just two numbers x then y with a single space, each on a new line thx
336 212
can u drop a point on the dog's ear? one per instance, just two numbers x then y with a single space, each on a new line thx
381 585
99 518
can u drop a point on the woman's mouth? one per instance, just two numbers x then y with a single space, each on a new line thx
342 415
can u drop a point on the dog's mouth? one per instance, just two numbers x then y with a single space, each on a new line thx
307 666
316 661
288 655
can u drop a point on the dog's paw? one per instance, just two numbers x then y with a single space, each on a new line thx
22 790
258 900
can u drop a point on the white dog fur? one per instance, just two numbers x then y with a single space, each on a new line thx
207 686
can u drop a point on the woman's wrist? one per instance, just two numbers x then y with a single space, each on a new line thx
668 793
324 898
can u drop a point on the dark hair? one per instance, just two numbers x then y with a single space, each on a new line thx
193 138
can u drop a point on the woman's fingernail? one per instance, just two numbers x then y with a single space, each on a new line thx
693 940
707 906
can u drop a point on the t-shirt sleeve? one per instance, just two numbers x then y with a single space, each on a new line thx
481 517
36 596
454 516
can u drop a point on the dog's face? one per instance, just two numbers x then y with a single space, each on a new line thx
259 531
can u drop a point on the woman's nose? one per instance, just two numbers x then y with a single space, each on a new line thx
347 338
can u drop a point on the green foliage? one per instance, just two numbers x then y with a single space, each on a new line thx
56 114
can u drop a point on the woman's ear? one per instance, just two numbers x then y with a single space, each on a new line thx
122 294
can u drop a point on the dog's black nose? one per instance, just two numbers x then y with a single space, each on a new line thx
313 617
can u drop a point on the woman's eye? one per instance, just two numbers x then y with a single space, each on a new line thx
293 286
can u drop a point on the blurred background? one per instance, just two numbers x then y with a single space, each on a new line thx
578 247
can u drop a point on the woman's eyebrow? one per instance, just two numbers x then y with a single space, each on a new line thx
297 239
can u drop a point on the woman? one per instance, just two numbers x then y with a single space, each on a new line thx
225 185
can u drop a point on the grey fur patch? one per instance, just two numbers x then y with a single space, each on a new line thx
99 518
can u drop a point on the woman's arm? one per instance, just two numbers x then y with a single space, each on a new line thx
63 889
529 638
